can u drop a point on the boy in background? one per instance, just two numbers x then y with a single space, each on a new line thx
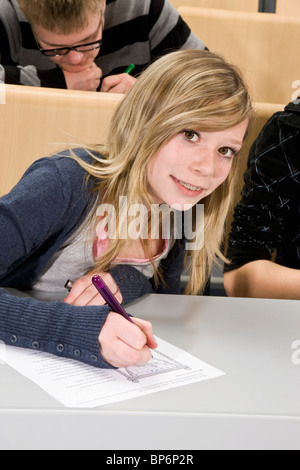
86 44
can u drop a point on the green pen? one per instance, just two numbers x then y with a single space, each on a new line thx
130 68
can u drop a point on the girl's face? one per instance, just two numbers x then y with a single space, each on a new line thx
192 164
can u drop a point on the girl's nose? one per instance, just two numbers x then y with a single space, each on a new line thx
204 162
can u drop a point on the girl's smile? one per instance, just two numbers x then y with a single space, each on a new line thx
187 188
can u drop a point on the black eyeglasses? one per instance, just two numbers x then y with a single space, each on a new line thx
65 50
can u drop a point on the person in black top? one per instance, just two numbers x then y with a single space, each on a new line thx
266 224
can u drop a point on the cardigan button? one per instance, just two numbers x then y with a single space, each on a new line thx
13 339
77 353
60 348
94 358
35 345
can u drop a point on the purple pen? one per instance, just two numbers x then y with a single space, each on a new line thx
109 297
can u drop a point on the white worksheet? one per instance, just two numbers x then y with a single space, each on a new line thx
78 385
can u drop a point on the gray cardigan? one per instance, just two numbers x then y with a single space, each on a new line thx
40 213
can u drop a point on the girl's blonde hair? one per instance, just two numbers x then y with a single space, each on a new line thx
188 89
62 16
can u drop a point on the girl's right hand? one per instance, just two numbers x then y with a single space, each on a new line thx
124 344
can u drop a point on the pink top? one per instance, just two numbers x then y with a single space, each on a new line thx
143 264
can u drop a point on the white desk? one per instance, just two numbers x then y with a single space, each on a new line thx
256 405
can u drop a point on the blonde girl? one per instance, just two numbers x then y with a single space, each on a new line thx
191 91
173 142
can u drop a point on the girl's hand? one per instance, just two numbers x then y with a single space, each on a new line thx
124 344
84 292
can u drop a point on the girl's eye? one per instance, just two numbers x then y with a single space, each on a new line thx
191 135
226 152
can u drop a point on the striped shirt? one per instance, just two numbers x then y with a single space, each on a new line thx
135 31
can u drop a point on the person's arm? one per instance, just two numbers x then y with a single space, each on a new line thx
171 270
31 217
168 30
263 279
85 80
143 33
125 344
31 76
120 83
21 63
88 334
37 210
56 328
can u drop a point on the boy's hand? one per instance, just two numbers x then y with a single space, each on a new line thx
86 80
117 83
